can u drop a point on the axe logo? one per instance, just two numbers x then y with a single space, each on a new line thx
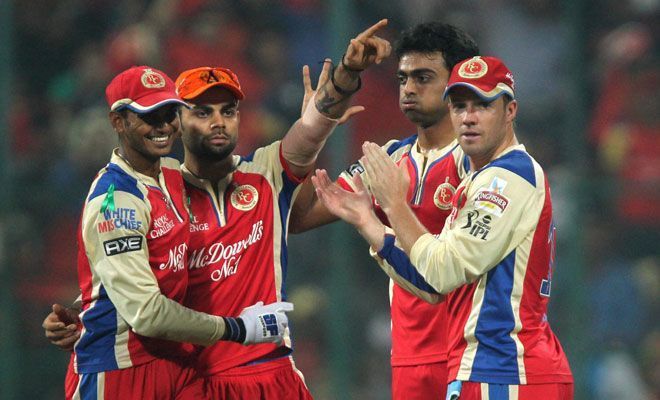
122 245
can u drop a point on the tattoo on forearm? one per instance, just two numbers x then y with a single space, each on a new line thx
325 102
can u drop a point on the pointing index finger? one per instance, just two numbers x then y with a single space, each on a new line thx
372 29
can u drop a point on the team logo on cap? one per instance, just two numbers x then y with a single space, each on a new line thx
152 79
475 68
443 195
244 197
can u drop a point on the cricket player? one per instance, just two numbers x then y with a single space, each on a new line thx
435 165
239 209
132 260
495 256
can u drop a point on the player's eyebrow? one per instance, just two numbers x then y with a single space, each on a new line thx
416 72
233 104
203 107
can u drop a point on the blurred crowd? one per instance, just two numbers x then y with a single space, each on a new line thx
66 51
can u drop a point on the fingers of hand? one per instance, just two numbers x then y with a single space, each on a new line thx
376 157
61 333
377 47
307 81
323 178
349 113
382 47
65 344
354 53
284 306
357 180
372 29
325 72
369 160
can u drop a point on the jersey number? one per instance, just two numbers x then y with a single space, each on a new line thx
546 284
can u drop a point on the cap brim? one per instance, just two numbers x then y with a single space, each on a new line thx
236 92
491 95
150 102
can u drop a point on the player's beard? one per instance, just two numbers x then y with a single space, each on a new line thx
200 148
425 119
215 153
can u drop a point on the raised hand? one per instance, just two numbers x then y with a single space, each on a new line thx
363 51
366 49
352 207
323 78
388 182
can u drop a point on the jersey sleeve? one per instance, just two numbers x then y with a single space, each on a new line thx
500 209
119 258
396 264
345 179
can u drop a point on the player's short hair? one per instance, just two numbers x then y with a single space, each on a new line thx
430 37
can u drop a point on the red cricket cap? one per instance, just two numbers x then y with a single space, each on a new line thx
488 77
193 82
141 89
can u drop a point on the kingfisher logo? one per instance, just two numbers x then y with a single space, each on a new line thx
491 202
120 218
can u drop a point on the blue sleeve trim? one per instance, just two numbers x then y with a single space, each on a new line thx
518 162
122 181
399 260
401 143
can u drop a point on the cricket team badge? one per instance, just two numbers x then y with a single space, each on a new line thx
244 197
152 79
443 195
473 69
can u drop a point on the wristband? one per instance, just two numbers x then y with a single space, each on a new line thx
341 91
234 330
346 67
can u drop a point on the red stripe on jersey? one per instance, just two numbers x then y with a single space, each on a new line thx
544 357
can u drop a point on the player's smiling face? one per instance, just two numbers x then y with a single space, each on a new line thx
147 137
210 127
422 80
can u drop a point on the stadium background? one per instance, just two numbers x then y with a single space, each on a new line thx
587 79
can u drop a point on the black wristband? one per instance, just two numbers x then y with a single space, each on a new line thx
346 67
234 330
341 91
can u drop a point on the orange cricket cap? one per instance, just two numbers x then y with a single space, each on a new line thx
193 82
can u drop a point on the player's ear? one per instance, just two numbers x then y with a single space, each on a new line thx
511 110
117 121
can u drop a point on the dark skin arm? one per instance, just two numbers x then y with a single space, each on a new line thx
307 211
363 51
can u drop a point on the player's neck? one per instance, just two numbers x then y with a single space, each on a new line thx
211 170
437 135
139 163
